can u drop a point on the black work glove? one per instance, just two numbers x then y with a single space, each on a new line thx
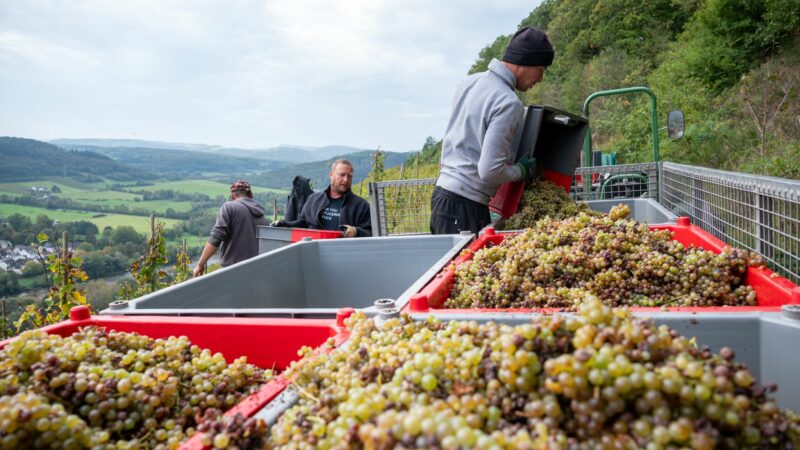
528 166
279 224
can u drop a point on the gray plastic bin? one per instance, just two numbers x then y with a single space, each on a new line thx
642 209
766 342
308 279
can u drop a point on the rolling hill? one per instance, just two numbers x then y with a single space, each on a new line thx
318 171
183 163
28 159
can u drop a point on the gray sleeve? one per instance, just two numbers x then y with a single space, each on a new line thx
493 166
221 228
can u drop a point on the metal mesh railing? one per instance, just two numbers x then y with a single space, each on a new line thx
401 206
609 182
746 211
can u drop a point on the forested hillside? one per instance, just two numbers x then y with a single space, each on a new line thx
183 163
732 66
28 159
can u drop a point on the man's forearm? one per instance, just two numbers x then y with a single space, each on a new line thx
208 252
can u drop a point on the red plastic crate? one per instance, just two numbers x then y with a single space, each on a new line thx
772 290
267 342
506 201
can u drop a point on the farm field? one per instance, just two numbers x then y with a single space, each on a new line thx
116 198
68 187
207 187
140 223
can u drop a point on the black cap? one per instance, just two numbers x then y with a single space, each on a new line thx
529 47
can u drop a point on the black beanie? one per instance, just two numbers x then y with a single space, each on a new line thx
529 47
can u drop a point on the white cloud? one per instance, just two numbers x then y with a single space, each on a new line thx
241 72
43 52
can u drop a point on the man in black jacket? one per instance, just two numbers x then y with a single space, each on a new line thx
335 208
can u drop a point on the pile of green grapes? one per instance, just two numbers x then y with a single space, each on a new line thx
555 263
598 379
112 390
542 199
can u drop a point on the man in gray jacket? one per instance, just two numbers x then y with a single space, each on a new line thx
234 230
476 150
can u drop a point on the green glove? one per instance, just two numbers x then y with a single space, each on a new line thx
527 165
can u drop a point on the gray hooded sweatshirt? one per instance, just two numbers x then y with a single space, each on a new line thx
235 230
476 150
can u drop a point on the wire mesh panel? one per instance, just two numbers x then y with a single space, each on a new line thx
401 206
754 212
609 182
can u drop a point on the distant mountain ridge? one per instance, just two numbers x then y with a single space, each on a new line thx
317 171
183 163
286 153
28 159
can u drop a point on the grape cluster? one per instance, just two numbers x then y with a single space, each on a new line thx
557 262
101 389
237 431
598 379
542 199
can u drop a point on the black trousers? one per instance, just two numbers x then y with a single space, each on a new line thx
452 213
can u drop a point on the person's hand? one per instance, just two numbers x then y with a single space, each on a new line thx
199 270
348 231
527 165
279 223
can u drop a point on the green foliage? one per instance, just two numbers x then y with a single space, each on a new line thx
148 275
183 265
377 171
495 50
66 272
705 57
9 283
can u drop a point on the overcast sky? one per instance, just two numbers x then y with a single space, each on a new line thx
251 74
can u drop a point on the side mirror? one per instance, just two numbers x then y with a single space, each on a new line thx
675 124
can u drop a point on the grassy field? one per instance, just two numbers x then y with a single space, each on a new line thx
140 223
117 198
98 194
207 187
68 186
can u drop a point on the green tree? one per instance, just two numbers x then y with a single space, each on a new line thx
377 165
124 234
9 283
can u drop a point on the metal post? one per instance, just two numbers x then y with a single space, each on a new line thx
759 229
630 90
374 211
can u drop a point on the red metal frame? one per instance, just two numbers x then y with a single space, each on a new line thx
772 290
267 342
300 233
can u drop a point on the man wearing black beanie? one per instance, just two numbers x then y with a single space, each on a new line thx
476 150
